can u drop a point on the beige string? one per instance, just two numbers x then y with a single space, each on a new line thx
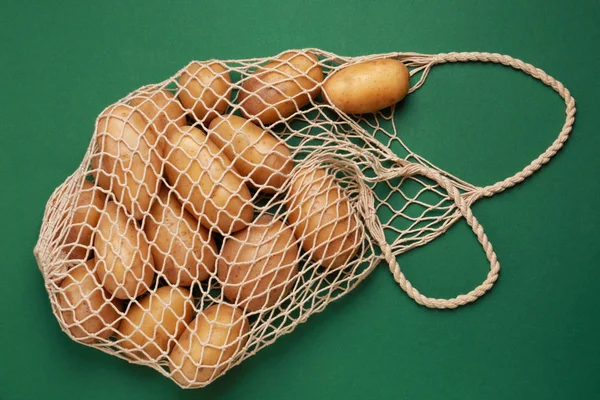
464 202
319 136
465 211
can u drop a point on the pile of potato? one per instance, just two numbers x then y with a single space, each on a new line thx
171 205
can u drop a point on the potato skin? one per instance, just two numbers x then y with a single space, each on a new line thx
161 108
122 254
82 301
80 232
205 89
152 326
258 265
322 218
100 177
130 154
269 92
367 87
202 351
209 181
182 249
255 153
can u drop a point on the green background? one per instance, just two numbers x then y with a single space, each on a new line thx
534 336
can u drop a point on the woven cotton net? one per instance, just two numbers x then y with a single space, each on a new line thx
217 210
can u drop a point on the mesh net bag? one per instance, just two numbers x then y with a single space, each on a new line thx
217 210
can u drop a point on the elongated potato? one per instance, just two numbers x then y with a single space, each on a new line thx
205 89
205 177
124 264
258 265
321 216
161 108
203 351
182 249
367 87
88 207
255 153
100 177
130 159
152 326
282 87
85 307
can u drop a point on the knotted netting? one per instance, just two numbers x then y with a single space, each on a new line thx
217 210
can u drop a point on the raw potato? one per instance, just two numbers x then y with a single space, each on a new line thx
205 177
88 207
368 87
83 302
282 87
258 264
161 108
100 177
183 250
205 89
214 338
131 158
255 153
152 326
321 215
123 260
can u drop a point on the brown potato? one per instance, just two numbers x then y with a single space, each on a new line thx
100 177
85 307
161 108
182 249
205 177
258 265
152 326
203 351
124 264
88 206
255 153
320 214
280 88
205 89
130 159
367 87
